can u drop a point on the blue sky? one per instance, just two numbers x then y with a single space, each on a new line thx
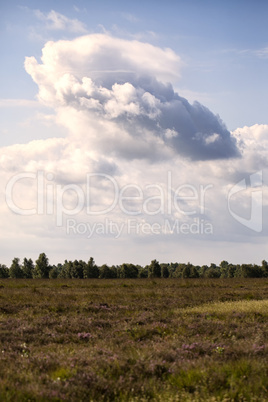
223 46
218 57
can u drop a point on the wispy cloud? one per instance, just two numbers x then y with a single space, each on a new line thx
59 22
123 33
130 17
262 53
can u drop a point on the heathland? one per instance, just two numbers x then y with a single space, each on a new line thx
156 339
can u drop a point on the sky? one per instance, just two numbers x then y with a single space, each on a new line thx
132 131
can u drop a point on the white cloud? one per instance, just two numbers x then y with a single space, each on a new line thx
71 160
59 22
212 138
126 83
103 58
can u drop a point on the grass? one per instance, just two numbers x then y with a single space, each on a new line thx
229 307
134 340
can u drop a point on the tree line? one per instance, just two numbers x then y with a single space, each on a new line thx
83 270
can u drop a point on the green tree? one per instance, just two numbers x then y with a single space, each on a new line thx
231 271
164 270
42 267
114 270
172 269
128 271
264 266
77 269
65 271
107 272
15 270
4 271
212 273
203 270
143 271
154 270
54 272
194 272
186 271
238 271
251 271
28 268
179 270
224 267
91 270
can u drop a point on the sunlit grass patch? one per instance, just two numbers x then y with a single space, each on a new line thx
228 307
62 374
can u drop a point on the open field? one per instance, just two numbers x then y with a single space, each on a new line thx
134 340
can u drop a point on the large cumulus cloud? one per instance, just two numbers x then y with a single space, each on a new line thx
122 91
124 119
